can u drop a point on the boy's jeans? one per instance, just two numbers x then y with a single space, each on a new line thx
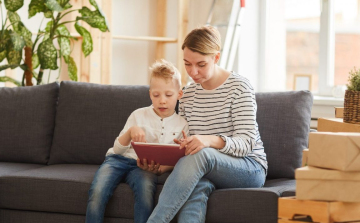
187 191
108 176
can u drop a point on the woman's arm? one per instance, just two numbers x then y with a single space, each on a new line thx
244 136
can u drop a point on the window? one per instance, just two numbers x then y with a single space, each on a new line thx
323 40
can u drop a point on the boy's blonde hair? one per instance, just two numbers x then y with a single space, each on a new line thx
205 40
166 70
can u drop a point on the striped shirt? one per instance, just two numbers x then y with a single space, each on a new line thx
228 111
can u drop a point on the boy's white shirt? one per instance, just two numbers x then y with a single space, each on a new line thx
157 130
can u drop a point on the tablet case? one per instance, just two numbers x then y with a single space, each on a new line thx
165 154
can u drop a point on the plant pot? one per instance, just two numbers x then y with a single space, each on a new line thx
352 107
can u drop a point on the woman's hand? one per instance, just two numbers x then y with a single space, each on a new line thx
137 134
155 169
195 143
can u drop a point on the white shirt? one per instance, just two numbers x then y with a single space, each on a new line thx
157 130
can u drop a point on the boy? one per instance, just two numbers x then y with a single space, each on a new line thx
157 123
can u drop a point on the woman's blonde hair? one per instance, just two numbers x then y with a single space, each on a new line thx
166 70
205 40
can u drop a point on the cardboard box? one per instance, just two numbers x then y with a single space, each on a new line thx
305 157
295 211
339 112
339 151
327 185
336 125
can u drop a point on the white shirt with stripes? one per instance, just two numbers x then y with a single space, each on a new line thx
228 111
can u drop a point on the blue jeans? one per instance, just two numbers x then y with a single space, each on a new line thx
187 188
108 176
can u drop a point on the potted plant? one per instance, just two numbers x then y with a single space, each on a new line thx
352 98
43 52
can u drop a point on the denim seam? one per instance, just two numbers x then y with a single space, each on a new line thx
178 204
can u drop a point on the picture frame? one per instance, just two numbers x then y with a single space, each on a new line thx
302 82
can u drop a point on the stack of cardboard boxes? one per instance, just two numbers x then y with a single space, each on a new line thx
328 184
332 171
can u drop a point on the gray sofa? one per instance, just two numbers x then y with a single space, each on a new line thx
53 138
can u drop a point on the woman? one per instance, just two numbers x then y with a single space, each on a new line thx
225 149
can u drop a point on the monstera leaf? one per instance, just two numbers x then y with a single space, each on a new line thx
47 55
87 44
94 18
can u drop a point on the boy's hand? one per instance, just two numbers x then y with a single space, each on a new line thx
137 134
182 141
149 167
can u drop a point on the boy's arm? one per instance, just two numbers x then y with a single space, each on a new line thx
125 138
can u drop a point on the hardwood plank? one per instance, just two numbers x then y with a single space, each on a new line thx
182 32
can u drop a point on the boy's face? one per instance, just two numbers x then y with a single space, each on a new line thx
164 95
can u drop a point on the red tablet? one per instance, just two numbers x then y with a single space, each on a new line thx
165 154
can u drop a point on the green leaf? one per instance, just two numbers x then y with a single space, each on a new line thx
8 79
87 43
13 5
94 18
35 61
93 3
67 6
47 55
48 14
64 42
17 41
54 5
13 56
4 39
49 26
20 28
3 55
14 19
36 6
63 3
72 69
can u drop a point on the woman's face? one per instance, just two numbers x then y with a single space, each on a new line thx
199 67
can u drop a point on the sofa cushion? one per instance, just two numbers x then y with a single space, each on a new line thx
10 168
27 116
284 124
61 188
90 117
242 205
15 216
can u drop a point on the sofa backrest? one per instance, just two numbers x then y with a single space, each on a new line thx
89 118
284 125
27 117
